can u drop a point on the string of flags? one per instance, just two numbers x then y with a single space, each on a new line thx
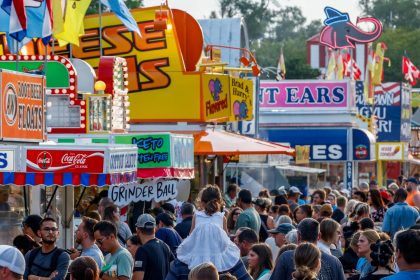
24 20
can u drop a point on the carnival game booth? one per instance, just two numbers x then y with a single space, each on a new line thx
164 168
49 172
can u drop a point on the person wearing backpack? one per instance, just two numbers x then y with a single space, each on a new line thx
47 261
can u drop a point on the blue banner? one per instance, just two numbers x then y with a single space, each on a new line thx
391 108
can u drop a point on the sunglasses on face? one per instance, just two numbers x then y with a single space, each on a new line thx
100 241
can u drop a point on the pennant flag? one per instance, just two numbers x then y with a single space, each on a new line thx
122 12
410 71
351 69
368 87
281 67
332 65
58 8
17 18
340 66
379 64
4 22
73 22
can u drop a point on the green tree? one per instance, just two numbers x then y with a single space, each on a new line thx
256 14
94 6
394 13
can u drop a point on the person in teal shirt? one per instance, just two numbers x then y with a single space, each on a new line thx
249 217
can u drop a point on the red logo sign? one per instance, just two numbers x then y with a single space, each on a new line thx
65 161
361 152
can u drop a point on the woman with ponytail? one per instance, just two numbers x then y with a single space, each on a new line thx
84 268
307 261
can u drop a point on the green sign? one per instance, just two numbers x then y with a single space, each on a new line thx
56 72
154 150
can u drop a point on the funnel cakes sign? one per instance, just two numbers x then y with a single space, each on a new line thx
64 161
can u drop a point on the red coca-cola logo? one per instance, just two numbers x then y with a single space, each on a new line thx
75 159
44 160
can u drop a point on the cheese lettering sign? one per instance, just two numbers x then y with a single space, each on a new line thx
155 190
22 107
304 95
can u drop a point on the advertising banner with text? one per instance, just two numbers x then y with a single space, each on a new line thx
22 107
305 94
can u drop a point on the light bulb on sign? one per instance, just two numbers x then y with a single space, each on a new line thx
100 87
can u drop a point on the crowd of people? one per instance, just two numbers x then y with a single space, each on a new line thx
372 233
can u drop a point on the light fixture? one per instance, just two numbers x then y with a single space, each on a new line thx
100 87
161 18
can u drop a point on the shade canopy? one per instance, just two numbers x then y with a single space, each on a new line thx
219 142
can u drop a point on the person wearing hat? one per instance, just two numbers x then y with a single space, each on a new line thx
30 226
413 197
293 198
153 257
279 233
166 232
119 262
12 263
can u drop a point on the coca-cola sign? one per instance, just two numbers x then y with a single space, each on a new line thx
65 161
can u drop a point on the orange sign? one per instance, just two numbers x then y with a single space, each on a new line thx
22 107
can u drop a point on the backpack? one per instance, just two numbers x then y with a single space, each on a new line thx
56 254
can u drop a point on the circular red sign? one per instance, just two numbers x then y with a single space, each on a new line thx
44 160
361 152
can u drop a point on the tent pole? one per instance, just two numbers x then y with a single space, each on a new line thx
68 221
52 197
25 201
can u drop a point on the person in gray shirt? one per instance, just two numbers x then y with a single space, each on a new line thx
86 239
308 231
48 261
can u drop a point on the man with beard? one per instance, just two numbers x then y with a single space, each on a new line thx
86 239
48 261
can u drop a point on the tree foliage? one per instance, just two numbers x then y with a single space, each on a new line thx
394 13
94 6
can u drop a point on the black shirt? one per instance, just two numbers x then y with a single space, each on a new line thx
153 258
184 227
338 215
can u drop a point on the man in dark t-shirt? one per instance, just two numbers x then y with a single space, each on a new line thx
153 257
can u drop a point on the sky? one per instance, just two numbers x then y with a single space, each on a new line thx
312 9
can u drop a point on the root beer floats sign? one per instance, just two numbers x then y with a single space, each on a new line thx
22 107
163 83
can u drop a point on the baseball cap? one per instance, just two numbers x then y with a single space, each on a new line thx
12 258
295 190
282 228
386 195
412 180
364 186
146 221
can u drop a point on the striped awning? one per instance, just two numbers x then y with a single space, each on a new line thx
67 179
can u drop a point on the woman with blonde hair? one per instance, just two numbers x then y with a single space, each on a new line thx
366 239
307 261
204 271
260 261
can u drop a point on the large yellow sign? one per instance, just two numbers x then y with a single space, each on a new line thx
159 86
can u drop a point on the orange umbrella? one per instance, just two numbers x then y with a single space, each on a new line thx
219 142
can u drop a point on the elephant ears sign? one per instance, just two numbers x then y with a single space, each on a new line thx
339 32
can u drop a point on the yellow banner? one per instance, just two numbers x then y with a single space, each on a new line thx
241 98
160 88
216 104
